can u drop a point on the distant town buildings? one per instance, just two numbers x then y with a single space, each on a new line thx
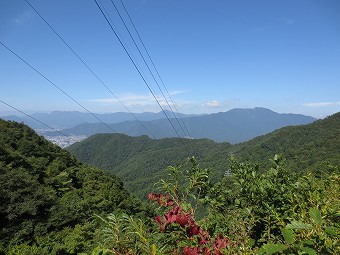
64 141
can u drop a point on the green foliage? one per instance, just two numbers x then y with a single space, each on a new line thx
314 146
126 235
48 198
177 230
278 211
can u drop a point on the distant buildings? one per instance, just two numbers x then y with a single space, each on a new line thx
64 141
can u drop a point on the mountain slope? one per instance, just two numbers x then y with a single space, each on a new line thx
46 194
234 126
140 161
304 147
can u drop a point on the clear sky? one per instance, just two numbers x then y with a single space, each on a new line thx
212 55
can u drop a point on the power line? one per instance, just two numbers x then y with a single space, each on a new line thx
90 69
128 30
133 62
55 85
33 118
154 66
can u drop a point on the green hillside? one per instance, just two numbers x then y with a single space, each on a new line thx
304 147
48 199
140 161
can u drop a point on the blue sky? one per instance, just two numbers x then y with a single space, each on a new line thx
212 55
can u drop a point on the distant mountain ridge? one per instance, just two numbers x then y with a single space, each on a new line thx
69 119
234 126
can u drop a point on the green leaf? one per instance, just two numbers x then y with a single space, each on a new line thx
99 251
298 225
288 235
315 214
251 242
308 250
271 248
332 231
153 249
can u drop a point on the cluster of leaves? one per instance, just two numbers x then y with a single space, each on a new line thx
176 228
250 211
48 198
277 210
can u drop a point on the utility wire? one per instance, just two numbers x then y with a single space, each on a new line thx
154 66
128 30
56 130
55 85
133 62
90 69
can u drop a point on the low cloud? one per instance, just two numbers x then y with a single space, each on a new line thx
176 92
135 100
128 99
322 104
212 104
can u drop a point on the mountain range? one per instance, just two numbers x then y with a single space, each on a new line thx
68 119
234 126
140 161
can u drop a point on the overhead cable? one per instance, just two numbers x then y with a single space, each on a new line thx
87 66
133 62
46 125
56 86
145 62
154 66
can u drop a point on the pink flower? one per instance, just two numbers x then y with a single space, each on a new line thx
162 225
205 237
220 243
182 219
163 200
191 251
193 229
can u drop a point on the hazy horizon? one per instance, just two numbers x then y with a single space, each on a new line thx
16 113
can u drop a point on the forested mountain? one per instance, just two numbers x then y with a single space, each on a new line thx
234 126
140 161
48 199
68 119
304 147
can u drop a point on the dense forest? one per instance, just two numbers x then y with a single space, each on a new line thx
218 202
48 198
140 161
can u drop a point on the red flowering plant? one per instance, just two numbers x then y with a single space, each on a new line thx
177 229
181 232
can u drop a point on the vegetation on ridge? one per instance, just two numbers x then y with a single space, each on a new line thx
139 161
249 212
48 199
